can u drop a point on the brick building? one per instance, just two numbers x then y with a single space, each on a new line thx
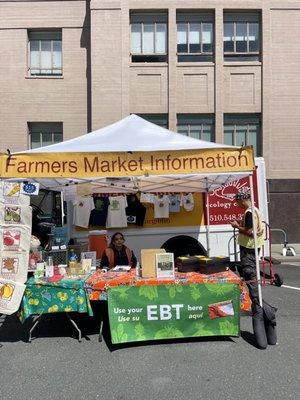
220 70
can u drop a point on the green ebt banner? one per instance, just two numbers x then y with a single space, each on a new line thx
173 311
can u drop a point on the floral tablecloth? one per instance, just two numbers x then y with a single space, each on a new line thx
41 297
98 283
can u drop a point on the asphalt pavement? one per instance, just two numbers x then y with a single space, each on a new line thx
56 366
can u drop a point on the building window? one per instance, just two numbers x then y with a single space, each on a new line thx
44 133
241 37
195 36
198 126
148 37
45 53
157 119
243 130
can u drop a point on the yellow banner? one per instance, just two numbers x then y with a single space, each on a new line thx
92 165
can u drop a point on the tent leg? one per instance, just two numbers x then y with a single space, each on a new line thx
255 241
207 224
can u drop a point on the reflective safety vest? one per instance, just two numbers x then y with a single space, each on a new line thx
111 256
248 241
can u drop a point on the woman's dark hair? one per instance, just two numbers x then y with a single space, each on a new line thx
111 244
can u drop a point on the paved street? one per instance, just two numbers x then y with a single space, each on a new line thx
56 366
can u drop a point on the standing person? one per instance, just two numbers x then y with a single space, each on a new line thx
246 242
117 253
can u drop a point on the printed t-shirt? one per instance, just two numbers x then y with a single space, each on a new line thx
174 203
147 198
161 206
135 211
116 216
82 210
99 214
187 201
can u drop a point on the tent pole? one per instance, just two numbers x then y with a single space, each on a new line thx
62 207
255 240
207 224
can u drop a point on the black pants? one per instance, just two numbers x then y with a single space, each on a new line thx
247 271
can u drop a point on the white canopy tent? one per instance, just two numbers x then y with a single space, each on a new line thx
134 134
133 155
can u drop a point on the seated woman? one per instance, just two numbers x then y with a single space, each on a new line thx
117 253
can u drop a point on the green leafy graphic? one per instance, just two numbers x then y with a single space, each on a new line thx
150 292
173 290
118 335
122 292
201 330
219 289
140 332
168 332
227 328
195 292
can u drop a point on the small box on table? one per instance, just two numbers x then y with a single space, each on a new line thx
202 264
148 262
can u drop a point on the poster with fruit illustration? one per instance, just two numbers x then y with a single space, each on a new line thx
14 265
15 237
15 215
11 294
15 234
10 193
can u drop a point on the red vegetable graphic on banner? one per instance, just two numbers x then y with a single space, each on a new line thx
222 309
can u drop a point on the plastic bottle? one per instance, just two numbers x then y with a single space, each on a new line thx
72 259
137 270
49 272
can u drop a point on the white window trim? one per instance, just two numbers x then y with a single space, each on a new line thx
60 70
202 124
248 134
154 40
188 53
248 52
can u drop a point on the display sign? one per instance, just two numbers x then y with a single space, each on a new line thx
164 265
89 255
30 188
222 204
152 312
81 165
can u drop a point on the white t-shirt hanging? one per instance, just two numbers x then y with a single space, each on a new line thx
161 206
116 215
83 205
187 201
174 203
147 198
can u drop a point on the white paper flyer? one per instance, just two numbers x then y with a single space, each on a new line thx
165 265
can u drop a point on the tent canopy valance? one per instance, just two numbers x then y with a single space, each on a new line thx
131 155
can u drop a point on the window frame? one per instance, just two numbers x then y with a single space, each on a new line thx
245 122
42 132
188 53
202 124
157 116
199 17
245 18
154 41
29 40
143 19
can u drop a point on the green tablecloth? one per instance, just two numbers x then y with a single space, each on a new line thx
41 297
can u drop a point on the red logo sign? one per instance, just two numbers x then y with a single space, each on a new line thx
222 204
